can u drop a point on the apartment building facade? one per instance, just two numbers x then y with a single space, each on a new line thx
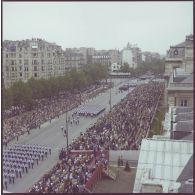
101 57
149 56
35 58
179 64
132 55
73 58
180 56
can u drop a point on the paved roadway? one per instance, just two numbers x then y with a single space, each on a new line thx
51 135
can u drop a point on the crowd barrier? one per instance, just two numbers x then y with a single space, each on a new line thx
96 176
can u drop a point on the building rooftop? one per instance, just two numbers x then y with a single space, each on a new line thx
189 79
185 178
181 109
178 124
183 116
183 44
162 162
188 137
186 126
186 187
187 172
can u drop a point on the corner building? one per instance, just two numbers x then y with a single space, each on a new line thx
35 58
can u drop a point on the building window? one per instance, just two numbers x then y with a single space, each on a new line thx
20 74
12 55
184 103
20 68
35 62
35 74
13 62
7 55
35 68
25 62
175 52
20 55
34 55
25 68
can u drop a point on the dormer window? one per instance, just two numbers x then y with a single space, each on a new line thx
175 52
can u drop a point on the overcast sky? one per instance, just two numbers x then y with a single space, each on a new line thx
153 26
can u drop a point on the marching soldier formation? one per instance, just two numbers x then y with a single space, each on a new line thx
19 159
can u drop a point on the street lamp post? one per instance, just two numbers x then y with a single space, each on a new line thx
80 97
66 127
128 82
110 91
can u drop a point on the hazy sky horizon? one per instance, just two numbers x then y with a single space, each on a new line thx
153 26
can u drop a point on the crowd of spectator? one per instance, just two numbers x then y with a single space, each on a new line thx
18 159
125 126
43 110
121 129
71 173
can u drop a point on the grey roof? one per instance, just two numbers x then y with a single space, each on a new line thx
186 188
186 126
175 52
181 109
72 54
187 172
189 79
163 159
184 116
188 137
181 72
183 44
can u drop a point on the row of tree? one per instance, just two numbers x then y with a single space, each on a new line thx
24 93
156 66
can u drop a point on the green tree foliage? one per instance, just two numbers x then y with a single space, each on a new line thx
21 93
36 88
125 67
156 66
7 98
